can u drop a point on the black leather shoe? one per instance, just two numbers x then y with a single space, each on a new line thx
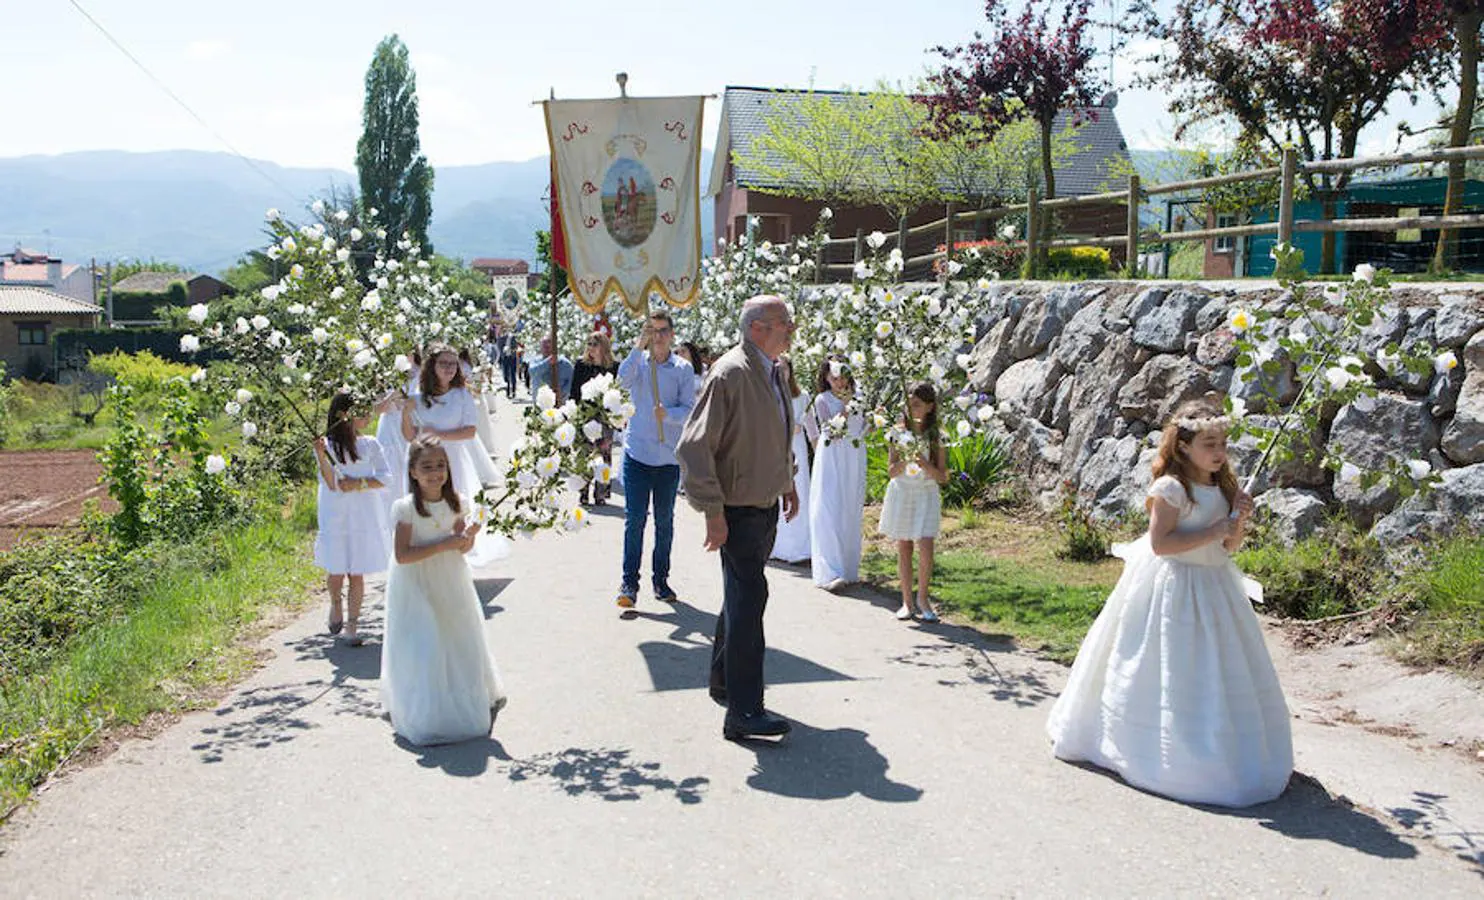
759 724
663 592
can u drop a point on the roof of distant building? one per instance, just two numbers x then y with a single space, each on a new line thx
31 301
501 266
152 282
1101 156
32 271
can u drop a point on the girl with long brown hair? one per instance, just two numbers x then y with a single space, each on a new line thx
1173 688
443 408
911 512
597 359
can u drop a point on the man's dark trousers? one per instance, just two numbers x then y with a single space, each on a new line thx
737 651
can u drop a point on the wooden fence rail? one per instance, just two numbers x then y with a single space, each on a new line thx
1285 227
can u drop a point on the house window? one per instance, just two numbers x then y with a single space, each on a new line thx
31 334
1226 243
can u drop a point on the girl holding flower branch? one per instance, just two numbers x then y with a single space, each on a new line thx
838 485
912 510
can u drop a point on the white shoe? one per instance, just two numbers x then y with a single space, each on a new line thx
904 614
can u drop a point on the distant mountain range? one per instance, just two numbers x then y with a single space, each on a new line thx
203 210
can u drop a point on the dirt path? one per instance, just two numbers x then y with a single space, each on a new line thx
919 767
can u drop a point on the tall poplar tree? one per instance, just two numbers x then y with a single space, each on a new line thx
396 179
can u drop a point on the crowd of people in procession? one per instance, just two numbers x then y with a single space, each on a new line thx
1173 688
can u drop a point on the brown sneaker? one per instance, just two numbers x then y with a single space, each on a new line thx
627 596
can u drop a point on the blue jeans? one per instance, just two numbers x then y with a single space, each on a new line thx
641 483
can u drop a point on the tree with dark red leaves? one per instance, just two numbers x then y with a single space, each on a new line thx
1307 73
1033 65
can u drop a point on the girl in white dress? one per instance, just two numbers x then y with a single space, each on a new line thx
484 425
912 509
438 681
353 539
389 436
791 544
837 489
1173 688
443 407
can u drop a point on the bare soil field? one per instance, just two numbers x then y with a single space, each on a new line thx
46 489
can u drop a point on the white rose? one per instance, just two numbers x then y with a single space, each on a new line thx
963 428
937 372
215 465
1337 377
548 466
244 395
876 240
1364 272
364 358
342 254
983 284
1419 468
984 414
883 329
858 359
249 430
401 363
295 309
259 322
337 292
1444 362
963 360
241 326
189 343
198 376
356 234
354 345
546 397
613 400
233 408
319 335
272 215
592 430
565 434
963 401
197 313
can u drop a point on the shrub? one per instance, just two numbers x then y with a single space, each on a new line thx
144 372
1444 595
1086 539
976 465
1079 262
1337 571
6 414
986 258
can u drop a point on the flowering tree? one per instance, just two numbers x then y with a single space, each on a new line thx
1028 68
1317 333
1309 72
319 331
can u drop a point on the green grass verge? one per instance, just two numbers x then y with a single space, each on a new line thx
1446 595
178 638
1035 607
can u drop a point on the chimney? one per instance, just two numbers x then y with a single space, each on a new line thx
53 272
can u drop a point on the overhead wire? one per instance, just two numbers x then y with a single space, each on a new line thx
182 104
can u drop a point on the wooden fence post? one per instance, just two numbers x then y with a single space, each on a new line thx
819 262
1131 242
860 244
1285 195
902 235
948 242
1032 234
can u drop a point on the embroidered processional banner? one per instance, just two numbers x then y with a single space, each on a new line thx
628 175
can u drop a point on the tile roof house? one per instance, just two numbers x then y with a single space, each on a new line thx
1098 164
28 268
492 266
199 288
29 319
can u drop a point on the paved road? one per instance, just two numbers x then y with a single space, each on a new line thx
918 767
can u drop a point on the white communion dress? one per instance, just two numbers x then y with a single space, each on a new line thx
1173 688
912 508
837 493
439 683
394 447
792 543
354 538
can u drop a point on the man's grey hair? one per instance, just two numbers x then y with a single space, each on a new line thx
754 310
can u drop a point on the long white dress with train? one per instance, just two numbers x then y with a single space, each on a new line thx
354 537
439 683
837 493
394 447
468 464
792 542
1173 688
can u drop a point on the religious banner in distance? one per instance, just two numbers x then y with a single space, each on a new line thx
627 177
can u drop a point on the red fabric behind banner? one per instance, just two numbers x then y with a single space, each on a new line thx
558 238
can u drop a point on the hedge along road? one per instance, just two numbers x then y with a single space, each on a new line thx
918 766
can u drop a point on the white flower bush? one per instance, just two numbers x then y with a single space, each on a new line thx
1318 332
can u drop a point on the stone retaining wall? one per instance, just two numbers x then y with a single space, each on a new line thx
1085 374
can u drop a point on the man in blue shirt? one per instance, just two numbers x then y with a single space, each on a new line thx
541 372
651 474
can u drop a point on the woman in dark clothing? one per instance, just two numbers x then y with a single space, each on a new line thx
597 359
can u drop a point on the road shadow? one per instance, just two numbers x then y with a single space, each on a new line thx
817 764
488 589
966 658
608 774
273 715
1427 815
1305 811
683 661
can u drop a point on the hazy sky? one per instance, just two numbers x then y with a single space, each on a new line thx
282 80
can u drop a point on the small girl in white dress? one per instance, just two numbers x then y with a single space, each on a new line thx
1173 688
912 510
837 490
791 544
438 681
353 539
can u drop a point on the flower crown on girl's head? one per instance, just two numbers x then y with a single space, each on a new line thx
1203 423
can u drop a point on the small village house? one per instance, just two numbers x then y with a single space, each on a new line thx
28 268
1100 163
29 320
137 298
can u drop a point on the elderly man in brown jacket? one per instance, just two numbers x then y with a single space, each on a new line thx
735 452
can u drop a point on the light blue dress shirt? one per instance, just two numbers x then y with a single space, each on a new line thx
677 395
541 375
